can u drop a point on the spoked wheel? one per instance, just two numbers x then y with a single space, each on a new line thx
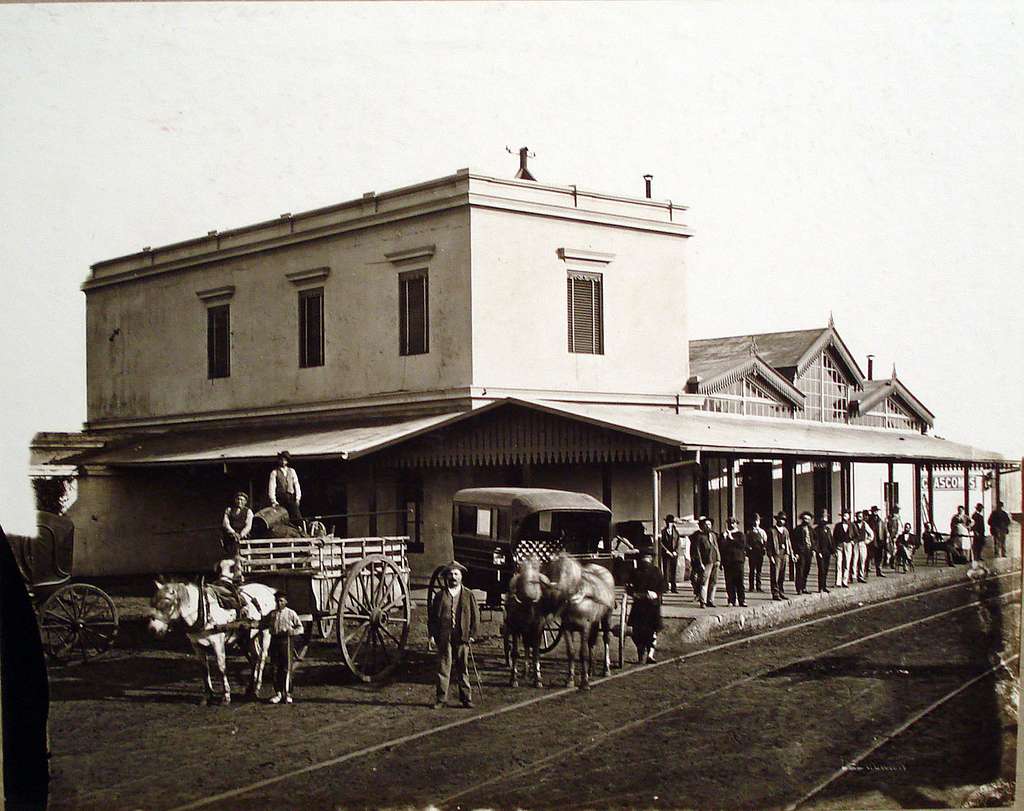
78 618
434 586
325 623
374 614
623 613
551 634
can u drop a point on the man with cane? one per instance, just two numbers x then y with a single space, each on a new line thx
453 623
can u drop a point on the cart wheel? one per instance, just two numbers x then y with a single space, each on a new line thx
325 623
551 634
623 613
374 614
434 586
79 617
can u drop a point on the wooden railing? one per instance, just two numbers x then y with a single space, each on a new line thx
328 554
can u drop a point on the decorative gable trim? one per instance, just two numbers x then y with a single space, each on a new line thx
895 388
754 366
830 339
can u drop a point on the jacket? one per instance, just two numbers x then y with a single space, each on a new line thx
732 546
756 540
823 543
863 533
843 534
999 521
779 543
703 550
803 539
670 539
467 616
644 578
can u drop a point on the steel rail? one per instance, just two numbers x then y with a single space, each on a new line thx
548 696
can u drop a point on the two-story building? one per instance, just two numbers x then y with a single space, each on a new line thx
465 331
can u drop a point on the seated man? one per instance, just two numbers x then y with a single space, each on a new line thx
225 587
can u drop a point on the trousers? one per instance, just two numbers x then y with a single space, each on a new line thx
708 584
860 560
999 542
754 572
281 658
823 563
777 573
844 564
668 570
453 658
734 582
803 569
287 500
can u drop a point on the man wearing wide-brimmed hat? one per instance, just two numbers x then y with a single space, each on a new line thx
780 550
284 488
453 622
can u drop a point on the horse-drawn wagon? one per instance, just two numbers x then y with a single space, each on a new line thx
355 590
75 619
494 529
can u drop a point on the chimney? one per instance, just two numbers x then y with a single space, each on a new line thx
647 184
524 172
871 367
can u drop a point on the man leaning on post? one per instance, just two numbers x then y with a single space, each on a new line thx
453 622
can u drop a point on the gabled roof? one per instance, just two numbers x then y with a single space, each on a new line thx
712 378
875 391
789 353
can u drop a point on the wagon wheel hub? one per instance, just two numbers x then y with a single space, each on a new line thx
378 617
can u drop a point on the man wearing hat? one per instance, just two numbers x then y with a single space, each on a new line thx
669 540
863 536
880 531
645 585
804 548
780 550
453 622
844 539
284 487
733 550
824 548
705 560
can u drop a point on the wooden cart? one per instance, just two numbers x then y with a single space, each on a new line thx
75 619
354 590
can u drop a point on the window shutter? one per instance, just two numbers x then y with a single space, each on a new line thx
585 313
413 315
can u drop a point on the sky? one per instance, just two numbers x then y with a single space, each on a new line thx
859 159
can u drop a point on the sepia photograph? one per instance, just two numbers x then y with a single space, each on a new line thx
511 405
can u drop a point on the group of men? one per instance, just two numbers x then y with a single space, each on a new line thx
857 544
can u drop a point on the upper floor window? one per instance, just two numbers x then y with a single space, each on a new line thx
585 312
826 390
311 327
413 313
218 341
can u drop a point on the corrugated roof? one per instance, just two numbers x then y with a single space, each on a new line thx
199 447
692 429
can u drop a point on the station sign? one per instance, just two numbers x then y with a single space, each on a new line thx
955 481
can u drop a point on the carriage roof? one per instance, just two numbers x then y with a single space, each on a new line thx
46 558
527 500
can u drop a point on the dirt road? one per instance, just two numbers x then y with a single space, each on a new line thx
754 723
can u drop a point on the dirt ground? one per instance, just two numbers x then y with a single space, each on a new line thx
746 726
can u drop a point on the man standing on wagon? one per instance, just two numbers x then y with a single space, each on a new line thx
284 488
453 622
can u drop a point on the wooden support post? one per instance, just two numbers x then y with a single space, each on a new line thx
890 502
704 489
656 485
789 490
931 494
731 480
917 498
967 489
844 487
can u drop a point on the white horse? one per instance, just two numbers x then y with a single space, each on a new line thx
207 627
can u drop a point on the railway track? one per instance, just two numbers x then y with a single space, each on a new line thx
601 726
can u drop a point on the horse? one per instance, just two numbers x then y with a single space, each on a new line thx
205 621
526 610
585 595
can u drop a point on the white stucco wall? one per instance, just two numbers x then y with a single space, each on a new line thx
146 339
520 302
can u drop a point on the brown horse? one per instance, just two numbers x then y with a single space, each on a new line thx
585 595
526 610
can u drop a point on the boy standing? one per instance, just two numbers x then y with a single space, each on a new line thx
284 623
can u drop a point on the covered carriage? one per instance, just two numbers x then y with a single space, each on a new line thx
75 619
494 528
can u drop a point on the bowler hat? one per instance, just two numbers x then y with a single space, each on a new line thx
284 455
453 565
780 515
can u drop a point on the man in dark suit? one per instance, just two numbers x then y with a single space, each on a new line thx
669 540
880 530
999 525
844 541
978 530
757 540
733 551
803 545
453 622
705 560
780 550
823 549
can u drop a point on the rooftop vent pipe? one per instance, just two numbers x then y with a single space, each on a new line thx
871 367
524 172
647 184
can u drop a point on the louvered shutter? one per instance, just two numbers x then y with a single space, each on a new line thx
585 315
